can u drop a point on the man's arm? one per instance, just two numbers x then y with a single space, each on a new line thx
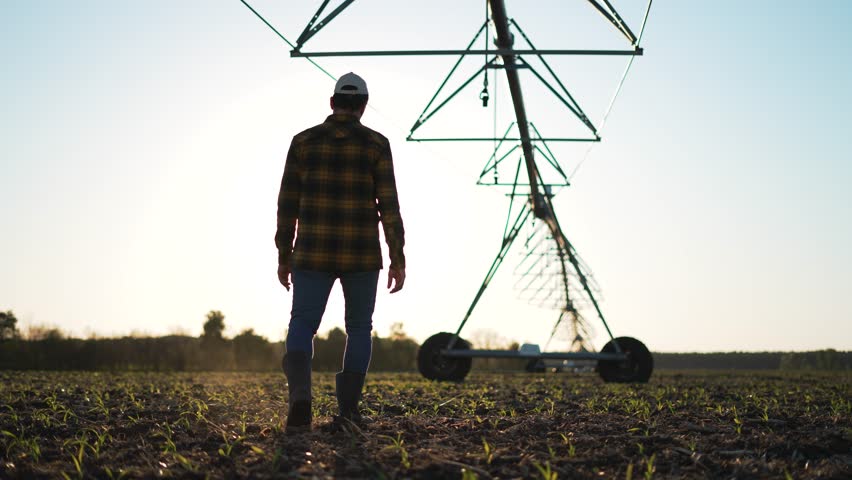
288 214
388 206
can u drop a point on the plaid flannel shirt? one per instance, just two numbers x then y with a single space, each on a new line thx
338 184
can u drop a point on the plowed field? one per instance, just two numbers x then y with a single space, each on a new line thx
230 425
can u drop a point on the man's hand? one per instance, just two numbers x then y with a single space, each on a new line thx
396 277
284 276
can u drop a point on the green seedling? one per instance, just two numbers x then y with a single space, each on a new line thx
567 441
183 421
112 476
489 453
738 423
82 442
649 467
546 471
184 463
13 414
135 401
228 448
20 444
43 416
78 466
57 408
243 423
397 444
100 439
551 405
840 407
100 406
168 444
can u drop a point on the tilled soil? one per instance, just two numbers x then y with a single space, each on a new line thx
231 425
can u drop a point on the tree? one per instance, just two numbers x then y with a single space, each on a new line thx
8 326
43 332
217 353
253 352
214 326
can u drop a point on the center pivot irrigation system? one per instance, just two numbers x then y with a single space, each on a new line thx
551 273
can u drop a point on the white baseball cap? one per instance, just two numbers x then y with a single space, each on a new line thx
351 84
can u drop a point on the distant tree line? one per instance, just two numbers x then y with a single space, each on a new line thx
819 360
50 349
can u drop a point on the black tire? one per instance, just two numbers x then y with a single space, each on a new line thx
636 369
435 366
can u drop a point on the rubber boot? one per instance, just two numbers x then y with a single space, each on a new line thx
297 368
349 386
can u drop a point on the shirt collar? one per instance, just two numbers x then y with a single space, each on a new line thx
342 118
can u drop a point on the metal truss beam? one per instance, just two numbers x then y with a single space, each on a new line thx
500 51
606 357
493 139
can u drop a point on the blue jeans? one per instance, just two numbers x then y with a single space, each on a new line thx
310 296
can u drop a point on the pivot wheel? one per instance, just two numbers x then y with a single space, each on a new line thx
435 366
636 368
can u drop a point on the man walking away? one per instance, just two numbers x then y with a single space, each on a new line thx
338 184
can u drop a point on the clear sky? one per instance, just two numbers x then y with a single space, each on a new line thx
142 144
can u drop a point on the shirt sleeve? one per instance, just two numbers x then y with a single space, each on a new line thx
288 206
388 207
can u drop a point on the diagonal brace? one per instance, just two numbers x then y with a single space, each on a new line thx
420 119
614 19
504 249
311 30
423 119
